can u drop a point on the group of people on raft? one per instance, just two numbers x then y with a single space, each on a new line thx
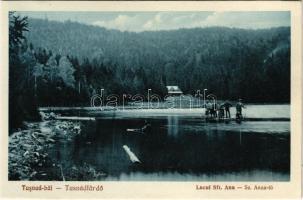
213 110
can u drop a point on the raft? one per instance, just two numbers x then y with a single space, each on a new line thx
222 120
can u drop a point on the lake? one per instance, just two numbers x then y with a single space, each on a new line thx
181 146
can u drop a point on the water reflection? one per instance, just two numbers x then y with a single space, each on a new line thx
187 147
172 125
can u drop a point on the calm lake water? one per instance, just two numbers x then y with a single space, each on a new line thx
180 147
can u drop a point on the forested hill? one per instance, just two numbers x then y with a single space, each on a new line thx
231 63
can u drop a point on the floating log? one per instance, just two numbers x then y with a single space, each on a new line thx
76 118
131 155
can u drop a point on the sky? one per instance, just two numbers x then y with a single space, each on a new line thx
152 21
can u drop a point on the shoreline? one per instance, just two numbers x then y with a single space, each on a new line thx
29 157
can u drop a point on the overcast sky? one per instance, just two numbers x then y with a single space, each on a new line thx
143 21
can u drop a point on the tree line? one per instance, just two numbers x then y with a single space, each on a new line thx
64 64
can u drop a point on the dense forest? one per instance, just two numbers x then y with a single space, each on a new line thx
64 64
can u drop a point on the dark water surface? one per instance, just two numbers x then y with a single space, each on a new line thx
182 148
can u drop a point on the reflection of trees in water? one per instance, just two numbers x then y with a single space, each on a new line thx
172 125
183 146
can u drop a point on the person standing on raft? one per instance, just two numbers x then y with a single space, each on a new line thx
227 106
239 107
208 109
221 111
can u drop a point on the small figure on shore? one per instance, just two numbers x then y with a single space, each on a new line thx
239 107
227 106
